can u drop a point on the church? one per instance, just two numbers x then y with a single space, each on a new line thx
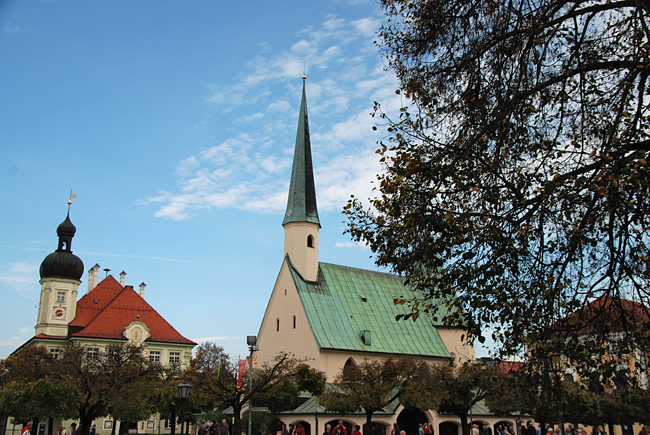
335 315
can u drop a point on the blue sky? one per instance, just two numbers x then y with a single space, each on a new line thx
174 124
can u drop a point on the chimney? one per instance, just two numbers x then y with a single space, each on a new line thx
122 278
93 275
142 286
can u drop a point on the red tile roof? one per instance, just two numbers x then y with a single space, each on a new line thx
106 310
616 314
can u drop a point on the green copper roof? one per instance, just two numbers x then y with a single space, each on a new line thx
301 206
345 302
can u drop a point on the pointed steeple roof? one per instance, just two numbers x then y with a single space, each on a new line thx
301 206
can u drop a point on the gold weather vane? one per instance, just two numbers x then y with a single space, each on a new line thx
72 195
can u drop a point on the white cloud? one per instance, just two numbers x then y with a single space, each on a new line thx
255 117
14 29
249 168
279 106
19 276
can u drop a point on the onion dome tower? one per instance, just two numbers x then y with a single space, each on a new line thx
60 278
301 223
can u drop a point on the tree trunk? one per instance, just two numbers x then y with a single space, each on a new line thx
463 422
236 424
172 422
367 428
85 421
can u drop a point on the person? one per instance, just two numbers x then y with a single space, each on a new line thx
487 430
284 430
300 430
27 430
62 431
344 430
395 430
420 430
93 429
203 430
214 428
600 431
427 429
328 430
338 431
224 428
475 429
530 428
357 430
292 429
73 429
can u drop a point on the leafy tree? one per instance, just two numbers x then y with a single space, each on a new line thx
30 389
516 182
103 381
374 384
464 386
220 382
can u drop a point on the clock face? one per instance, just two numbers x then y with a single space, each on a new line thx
58 313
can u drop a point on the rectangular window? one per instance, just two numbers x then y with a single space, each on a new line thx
92 353
154 355
60 297
294 322
174 357
277 325
55 351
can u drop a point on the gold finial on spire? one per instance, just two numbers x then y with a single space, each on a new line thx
72 195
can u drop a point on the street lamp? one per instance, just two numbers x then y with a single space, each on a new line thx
183 393
251 340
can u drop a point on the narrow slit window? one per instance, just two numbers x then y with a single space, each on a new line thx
277 325
294 322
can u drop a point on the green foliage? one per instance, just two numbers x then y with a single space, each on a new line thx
218 384
262 423
516 184
464 386
374 384
118 381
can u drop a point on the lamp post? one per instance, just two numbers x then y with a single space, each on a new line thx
183 393
251 340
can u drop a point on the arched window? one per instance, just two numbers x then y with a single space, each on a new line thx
310 241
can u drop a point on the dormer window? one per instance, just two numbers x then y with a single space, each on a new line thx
310 241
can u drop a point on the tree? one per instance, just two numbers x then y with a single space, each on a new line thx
221 382
374 384
464 386
115 380
103 379
30 389
516 183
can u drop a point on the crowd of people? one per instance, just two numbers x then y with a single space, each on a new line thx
213 428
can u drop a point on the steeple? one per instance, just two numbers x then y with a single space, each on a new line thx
60 273
301 206
301 222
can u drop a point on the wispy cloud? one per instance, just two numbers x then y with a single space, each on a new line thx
14 29
250 169
19 276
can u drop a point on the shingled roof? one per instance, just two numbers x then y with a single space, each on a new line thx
346 301
106 310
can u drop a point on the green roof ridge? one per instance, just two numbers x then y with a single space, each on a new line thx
301 205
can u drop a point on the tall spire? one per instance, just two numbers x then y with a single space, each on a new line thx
301 206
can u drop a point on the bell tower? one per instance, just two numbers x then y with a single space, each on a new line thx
301 224
60 278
